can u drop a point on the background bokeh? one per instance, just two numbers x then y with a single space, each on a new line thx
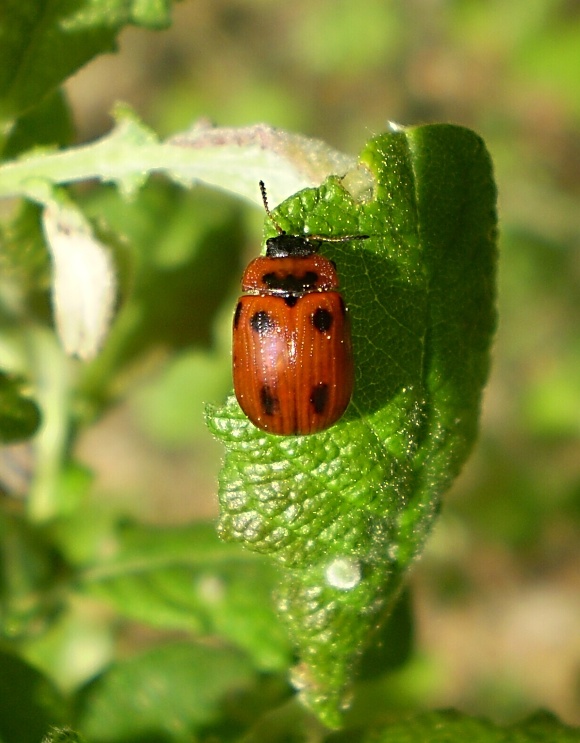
497 594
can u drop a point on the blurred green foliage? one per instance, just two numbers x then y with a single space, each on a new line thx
133 418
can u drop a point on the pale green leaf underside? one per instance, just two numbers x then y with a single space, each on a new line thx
364 493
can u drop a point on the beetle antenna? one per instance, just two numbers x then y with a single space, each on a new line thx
267 208
337 238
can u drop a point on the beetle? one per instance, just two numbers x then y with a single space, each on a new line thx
292 353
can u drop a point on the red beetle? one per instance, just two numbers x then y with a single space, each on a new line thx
292 354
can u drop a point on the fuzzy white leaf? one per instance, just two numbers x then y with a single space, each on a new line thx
236 159
84 285
233 159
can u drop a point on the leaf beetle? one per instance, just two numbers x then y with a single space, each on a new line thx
293 365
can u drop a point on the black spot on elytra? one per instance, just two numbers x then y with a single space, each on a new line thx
269 401
319 397
262 323
322 320
237 315
291 300
292 283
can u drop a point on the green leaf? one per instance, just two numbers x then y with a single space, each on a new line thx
63 735
19 415
42 42
29 569
28 704
392 647
50 124
450 726
346 511
25 259
163 694
186 579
